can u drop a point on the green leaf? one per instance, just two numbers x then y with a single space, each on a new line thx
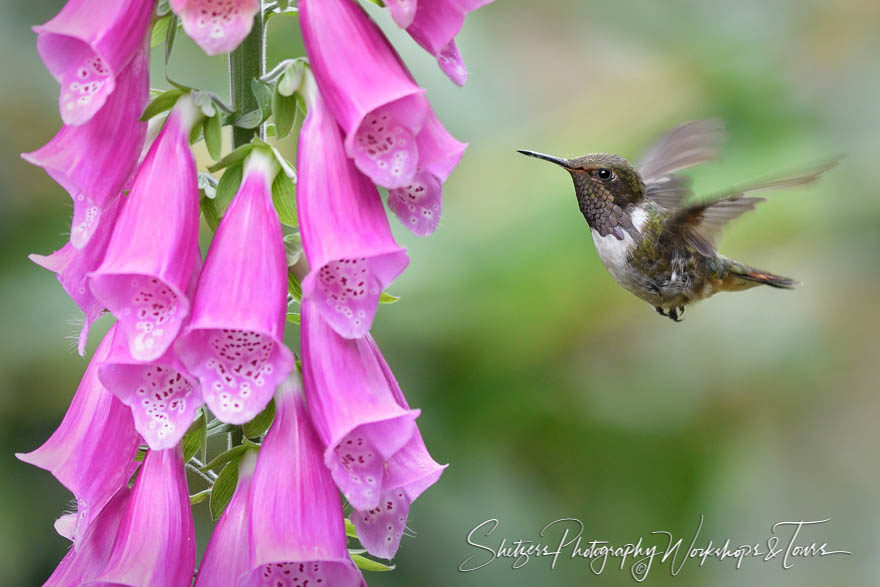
284 198
161 103
293 286
199 497
227 187
293 248
261 422
196 437
350 530
263 93
284 113
223 488
169 37
378 3
211 218
160 29
293 318
213 137
233 454
282 4
368 564
387 298
140 454
195 132
163 8
249 120
236 156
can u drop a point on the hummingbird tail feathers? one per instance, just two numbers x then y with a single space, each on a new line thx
742 277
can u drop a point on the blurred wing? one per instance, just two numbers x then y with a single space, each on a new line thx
669 191
700 224
687 145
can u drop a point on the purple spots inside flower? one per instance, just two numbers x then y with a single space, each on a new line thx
418 204
218 26
84 87
152 310
385 149
356 466
313 573
162 404
350 291
452 63
381 528
215 15
85 220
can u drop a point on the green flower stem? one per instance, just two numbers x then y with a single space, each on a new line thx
247 62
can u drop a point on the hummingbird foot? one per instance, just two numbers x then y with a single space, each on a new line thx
674 314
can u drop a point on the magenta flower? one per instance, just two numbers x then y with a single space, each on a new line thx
345 232
352 407
87 45
408 473
72 266
228 554
162 395
297 534
86 560
92 451
217 26
93 161
154 247
418 204
155 543
234 342
377 104
402 11
434 27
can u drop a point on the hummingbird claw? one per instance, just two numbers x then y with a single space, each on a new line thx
674 314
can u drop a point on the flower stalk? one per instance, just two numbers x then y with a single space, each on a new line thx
247 62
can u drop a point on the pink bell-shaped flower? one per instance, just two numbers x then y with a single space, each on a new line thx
376 102
344 228
353 409
408 473
155 543
162 395
92 451
234 342
297 533
87 45
154 248
217 26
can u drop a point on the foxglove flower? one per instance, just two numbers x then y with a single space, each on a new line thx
418 204
234 342
155 543
352 407
86 561
93 161
378 105
154 247
217 26
228 554
434 26
345 232
402 11
408 473
71 266
87 45
92 451
162 395
297 534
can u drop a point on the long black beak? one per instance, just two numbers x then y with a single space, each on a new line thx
558 160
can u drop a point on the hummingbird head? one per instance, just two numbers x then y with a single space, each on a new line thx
600 177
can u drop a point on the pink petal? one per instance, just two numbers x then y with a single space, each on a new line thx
155 544
86 46
217 26
92 451
162 395
234 343
379 106
345 232
352 407
297 532
228 554
93 161
440 151
154 247
71 267
402 11
418 205
87 561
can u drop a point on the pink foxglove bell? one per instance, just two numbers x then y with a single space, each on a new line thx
217 26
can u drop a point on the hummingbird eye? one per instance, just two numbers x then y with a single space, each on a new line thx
604 174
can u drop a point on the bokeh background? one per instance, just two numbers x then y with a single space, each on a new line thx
551 391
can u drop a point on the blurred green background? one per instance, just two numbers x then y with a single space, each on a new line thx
552 392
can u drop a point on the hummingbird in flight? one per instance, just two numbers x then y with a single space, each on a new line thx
654 239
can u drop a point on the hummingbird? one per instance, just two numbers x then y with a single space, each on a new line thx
652 236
